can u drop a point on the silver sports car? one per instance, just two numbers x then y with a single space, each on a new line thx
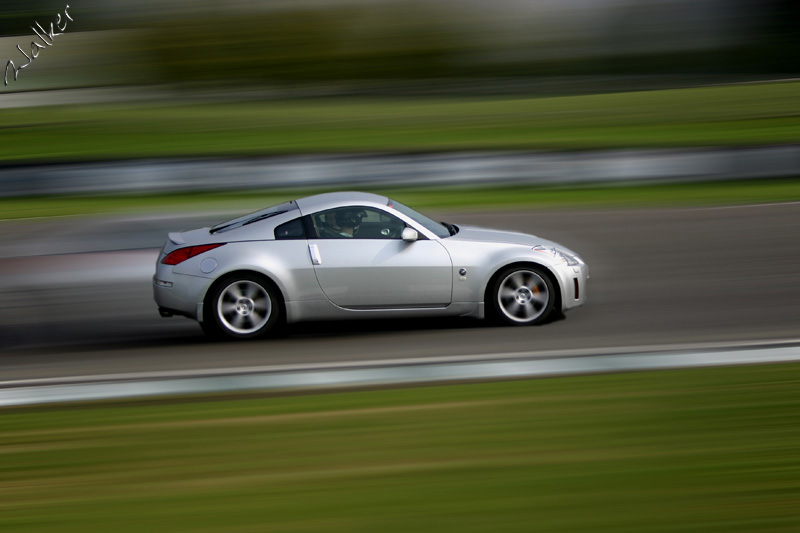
357 255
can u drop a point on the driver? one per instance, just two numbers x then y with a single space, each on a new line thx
341 224
348 221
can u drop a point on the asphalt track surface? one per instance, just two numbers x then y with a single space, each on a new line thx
75 294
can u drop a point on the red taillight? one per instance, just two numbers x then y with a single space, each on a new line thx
180 255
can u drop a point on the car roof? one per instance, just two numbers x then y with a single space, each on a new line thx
320 202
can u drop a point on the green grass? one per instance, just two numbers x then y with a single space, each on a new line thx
482 197
742 115
713 450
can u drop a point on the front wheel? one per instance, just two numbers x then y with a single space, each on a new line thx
523 295
243 306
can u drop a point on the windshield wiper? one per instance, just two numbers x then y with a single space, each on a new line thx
450 227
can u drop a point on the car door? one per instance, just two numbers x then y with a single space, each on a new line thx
361 261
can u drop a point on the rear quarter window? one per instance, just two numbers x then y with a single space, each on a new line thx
294 229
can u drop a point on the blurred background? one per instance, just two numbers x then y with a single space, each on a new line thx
569 86
144 117
301 93
660 139
402 46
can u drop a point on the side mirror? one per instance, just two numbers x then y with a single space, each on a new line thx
409 235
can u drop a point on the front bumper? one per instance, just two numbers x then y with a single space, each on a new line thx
573 281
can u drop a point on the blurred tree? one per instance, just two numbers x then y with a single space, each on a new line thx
323 44
777 47
17 16
300 41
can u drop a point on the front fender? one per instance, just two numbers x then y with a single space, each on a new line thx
483 260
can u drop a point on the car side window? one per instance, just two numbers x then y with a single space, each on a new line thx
357 223
294 229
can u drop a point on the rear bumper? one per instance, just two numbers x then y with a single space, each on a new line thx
179 294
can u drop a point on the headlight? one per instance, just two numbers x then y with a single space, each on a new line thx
572 260
558 255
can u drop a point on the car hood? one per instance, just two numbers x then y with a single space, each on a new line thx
476 234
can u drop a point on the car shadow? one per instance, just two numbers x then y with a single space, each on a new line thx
184 333
337 328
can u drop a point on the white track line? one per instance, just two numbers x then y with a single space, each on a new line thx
355 374
749 206
378 363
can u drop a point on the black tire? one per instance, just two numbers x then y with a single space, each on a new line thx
241 306
522 295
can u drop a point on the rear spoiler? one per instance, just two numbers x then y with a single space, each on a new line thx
176 238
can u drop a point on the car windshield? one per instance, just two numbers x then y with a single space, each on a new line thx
440 230
254 217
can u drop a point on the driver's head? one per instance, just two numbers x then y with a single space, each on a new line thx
349 218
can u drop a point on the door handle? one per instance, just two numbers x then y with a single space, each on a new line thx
316 259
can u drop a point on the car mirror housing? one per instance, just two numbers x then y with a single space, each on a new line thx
410 235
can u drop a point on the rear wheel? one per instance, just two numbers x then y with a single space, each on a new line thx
242 306
523 295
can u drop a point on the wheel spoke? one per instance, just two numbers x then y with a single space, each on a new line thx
523 296
261 307
234 292
517 280
248 289
228 297
506 293
540 296
244 307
